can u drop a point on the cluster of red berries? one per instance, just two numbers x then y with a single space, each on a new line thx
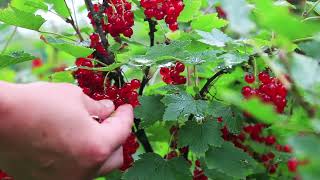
254 132
96 85
271 90
119 15
96 44
172 75
198 173
169 10
5 176
129 148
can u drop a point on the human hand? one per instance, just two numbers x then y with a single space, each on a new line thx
47 132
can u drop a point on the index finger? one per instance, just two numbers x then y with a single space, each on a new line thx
117 128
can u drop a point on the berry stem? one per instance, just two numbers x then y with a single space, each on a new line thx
72 22
98 29
205 89
141 134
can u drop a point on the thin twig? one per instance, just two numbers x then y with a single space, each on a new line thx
71 21
9 40
205 89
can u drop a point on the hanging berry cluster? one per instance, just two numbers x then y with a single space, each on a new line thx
120 18
271 90
129 148
164 9
172 75
198 173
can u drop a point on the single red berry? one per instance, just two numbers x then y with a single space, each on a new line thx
264 77
128 32
273 168
249 78
179 67
270 140
287 148
246 91
174 26
292 164
135 84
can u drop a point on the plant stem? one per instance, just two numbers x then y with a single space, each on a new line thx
9 40
141 134
205 89
98 29
71 21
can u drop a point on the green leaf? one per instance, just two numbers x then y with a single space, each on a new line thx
231 59
263 112
73 49
14 58
231 118
208 22
305 146
150 111
7 74
60 7
29 5
230 160
311 48
214 38
191 9
305 71
216 175
199 136
182 105
64 76
200 57
20 18
152 166
175 49
114 175
238 14
278 19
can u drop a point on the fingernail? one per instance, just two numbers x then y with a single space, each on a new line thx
107 103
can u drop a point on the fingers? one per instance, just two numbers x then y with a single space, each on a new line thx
117 128
114 161
102 108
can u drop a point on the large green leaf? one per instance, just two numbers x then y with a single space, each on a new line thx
198 137
70 48
64 76
214 38
29 5
190 10
152 166
278 19
182 105
150 111
238 15
231 160
20 18
60 7
208 22
231 118
14 58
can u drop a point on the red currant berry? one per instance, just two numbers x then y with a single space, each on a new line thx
135 84
292 164
249 78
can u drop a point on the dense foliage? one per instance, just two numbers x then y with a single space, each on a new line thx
222 89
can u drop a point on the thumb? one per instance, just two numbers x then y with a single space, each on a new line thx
102 109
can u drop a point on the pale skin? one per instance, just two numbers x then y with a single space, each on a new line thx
47 132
